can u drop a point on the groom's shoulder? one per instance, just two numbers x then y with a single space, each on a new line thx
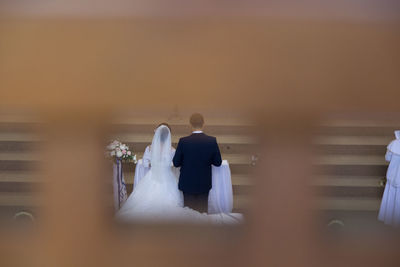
202 136
184 139
210 137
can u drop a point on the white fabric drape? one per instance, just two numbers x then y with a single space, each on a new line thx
220 199
119 186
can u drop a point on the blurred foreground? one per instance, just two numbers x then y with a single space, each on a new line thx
315 86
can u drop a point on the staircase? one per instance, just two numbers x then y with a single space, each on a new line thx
348 174
351 168
19 158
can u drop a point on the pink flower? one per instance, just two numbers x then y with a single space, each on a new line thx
129 153
124 151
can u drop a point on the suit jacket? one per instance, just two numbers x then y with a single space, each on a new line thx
195 154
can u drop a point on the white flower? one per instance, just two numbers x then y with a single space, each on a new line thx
123 147
121 151
113 145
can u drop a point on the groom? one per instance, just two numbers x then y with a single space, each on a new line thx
195 154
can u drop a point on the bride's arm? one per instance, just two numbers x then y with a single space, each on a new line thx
175 170
147 157
172 154
177 159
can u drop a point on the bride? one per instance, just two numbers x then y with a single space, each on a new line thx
157 198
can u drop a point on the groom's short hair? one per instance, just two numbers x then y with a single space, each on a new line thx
197 120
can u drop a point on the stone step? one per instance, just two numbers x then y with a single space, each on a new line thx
245 180
26 146
326 204
352 145
351 170
236 189
227 143
25 161
236 168
348 204
368 160
241 203
18 117
19 137
28 201
230 142
31 177
20 156
19 177
237 179
333 208
348 186
240 187
147 138
19 187
354 217
223 139
21 199
381 131
347 181
351 150
345 160
19 146
379 121
344 191
233 159
353 140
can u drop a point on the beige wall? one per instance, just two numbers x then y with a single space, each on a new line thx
204 62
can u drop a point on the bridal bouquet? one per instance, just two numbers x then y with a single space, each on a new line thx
120 151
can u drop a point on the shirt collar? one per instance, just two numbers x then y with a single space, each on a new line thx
197 132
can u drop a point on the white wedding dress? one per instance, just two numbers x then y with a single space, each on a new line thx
156 197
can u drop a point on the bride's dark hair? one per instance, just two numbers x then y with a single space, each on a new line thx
164 133
165 124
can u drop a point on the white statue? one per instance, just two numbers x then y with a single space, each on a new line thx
390 205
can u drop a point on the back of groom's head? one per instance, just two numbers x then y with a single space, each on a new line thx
196 121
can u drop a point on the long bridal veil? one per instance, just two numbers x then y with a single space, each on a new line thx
156 195
161 147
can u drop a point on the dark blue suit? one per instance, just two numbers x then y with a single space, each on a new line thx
195 154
